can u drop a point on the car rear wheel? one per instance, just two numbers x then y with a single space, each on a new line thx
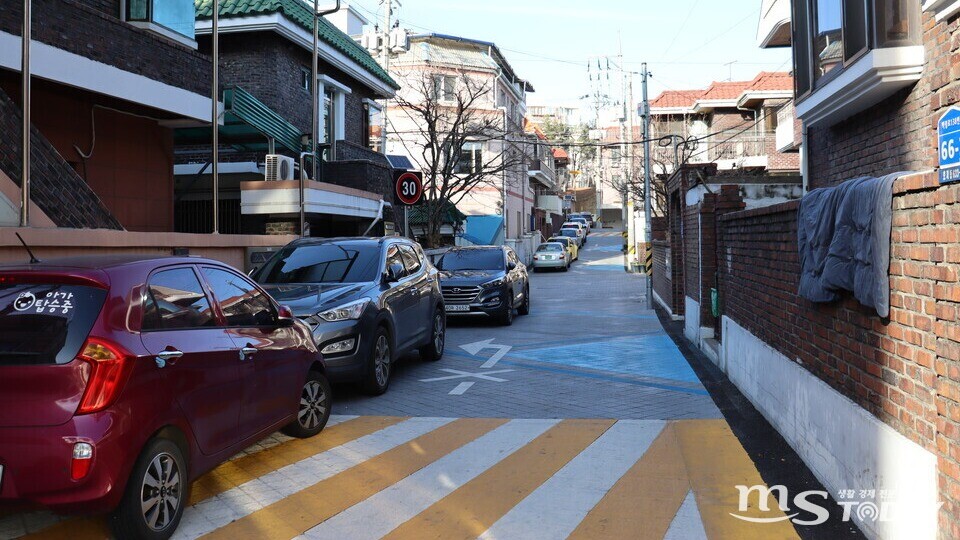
378 370
156 493
314 408
438 338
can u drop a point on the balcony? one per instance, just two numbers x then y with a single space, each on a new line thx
550 203
542 173
788 132
742 151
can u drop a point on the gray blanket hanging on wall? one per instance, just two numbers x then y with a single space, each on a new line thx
843 234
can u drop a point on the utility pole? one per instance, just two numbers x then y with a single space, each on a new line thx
385 63
647 194
26 37
215 115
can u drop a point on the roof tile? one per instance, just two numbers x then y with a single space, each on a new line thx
297 11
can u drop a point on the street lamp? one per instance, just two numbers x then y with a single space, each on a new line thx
215 116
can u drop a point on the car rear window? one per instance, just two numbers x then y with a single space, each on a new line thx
44 324
550 247
569 232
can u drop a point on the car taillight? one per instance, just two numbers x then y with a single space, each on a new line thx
82 459
110 366
536 257
562 256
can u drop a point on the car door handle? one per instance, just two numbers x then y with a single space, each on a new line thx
169 356
247 352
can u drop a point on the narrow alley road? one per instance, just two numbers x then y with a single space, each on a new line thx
582 420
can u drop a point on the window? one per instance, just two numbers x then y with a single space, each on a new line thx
330 114
410 259
175 300
45 323
242 303
444 87
615 156
394 257
305 76
373 126
322 263
471 159
829 35
178 16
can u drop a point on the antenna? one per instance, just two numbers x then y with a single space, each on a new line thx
33 258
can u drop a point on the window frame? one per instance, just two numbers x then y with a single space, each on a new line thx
275 308
475 163
413 253
150 24
215 312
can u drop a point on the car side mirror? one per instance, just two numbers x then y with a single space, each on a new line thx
394 271
511 266
285 316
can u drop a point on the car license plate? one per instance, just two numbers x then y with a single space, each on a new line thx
457 307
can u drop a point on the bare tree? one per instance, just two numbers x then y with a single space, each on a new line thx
446 117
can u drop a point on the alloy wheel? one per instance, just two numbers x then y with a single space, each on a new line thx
382 361
312 405
439 333
160 492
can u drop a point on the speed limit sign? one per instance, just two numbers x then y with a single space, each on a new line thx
409 187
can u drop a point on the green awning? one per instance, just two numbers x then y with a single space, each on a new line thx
451 215
247 125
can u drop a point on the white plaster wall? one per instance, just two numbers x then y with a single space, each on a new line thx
845 446
691 320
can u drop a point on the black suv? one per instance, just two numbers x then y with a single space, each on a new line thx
484 280
368 302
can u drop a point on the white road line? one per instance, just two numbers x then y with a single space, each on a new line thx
461 388
390 508
556 508
254 495
687 524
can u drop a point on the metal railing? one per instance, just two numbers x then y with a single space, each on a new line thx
742 146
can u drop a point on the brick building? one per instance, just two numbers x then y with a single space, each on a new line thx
869 403
265 61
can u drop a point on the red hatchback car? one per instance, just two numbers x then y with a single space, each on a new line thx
123 379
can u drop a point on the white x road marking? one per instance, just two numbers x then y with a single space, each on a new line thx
475 348
457 374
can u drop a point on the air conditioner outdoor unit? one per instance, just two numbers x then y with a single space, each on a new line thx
279 167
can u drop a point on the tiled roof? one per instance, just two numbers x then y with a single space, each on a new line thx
724 90
676 98
772 80
298 12
560 153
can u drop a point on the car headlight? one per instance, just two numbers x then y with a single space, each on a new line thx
346 312
494 283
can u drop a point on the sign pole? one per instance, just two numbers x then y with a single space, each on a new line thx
406 222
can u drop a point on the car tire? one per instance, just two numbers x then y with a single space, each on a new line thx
565 268
377 379
506 318
314 410
524 308
161 463
433 351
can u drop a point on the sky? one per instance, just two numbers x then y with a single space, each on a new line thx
686 43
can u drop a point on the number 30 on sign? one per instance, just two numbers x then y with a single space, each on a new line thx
408 187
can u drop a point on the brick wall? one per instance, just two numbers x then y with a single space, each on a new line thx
94 30
905 370
271 68
691 251
54 185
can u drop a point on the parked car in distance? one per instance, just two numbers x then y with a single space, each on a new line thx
583 220
573 233
123 379
551 255
484 280
368 302
585 215
570 244
581 230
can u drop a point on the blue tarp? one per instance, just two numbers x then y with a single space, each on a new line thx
484 230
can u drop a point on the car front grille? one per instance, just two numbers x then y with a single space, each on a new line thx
459 295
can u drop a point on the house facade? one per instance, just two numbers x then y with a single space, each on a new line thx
870 403
115 81
451 61
265 63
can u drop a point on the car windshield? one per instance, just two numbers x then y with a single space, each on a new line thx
45 324
550 247
471 259
322 263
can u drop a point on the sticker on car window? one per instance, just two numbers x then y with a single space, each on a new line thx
53 302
